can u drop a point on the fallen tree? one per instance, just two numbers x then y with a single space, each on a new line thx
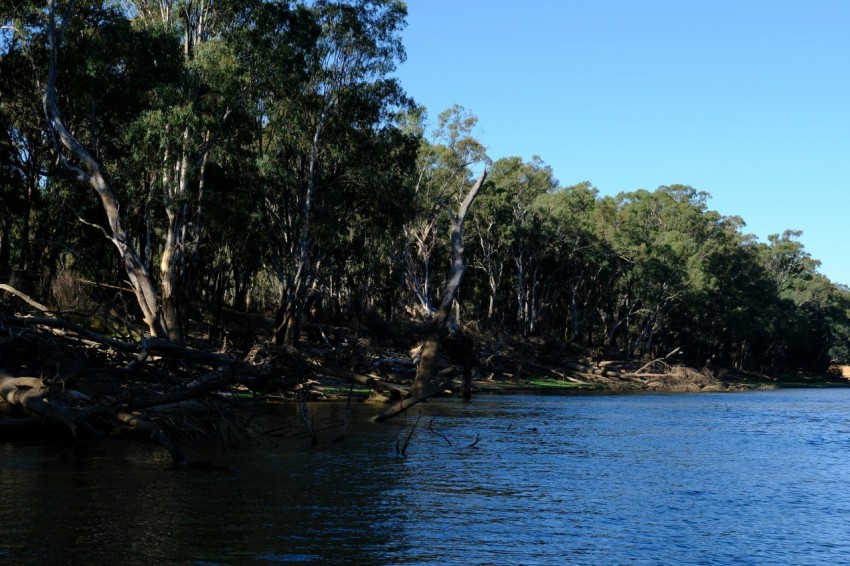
67 380
428 382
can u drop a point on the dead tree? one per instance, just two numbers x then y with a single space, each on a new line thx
427 382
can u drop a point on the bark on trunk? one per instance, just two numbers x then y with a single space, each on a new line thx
288 332
170 269
427 382
89 171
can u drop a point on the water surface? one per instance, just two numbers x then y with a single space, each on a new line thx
759 478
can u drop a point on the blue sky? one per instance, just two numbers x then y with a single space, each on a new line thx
748 100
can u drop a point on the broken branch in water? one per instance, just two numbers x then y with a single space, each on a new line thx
403 450
440 434
305 416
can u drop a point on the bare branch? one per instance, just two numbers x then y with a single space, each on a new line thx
26 298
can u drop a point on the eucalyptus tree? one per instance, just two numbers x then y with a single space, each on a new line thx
491 228
14 174
369 197
512 195
23 151
665 273
188 118
83 166
427 381
346 96
574 258
442 184
809 316
443 167
143 107
839 324
659 239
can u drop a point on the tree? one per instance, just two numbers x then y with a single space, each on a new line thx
358 47
575 257
426 383
23 153
443 164
179 131
661 242
516 187
807 318
80 163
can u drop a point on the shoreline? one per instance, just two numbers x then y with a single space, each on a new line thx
382 367
680 381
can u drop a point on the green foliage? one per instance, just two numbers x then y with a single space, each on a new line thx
549 383
264 104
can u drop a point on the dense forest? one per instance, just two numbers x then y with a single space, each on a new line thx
163 164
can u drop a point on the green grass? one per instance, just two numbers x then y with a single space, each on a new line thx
552 383
345 390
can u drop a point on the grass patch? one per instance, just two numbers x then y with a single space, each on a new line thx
552 383
344 390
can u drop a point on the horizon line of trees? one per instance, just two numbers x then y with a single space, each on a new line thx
261 157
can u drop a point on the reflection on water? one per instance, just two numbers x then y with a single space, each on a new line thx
709 478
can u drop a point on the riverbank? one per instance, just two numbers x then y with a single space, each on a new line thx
510 365
64 380
679 379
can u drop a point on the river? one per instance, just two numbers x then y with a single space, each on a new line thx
743 478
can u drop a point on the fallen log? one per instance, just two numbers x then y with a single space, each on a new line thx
98 385
372 381
215 380
33 396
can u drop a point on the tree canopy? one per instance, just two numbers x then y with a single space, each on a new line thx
262 157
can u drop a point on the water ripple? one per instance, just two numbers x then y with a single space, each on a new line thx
644 479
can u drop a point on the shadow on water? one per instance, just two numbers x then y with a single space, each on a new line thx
516 479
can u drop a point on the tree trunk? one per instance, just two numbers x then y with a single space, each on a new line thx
89 171
286 315
5 247
26 247
520 292
575 322
427 382
533 302
298 297
172 259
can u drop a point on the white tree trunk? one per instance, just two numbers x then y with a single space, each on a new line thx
89 171
427 383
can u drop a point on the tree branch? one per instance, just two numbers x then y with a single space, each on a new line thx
27 299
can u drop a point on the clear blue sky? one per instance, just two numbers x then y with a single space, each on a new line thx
748 100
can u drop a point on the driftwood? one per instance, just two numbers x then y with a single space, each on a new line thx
656 361
73 381
373 381
402 449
